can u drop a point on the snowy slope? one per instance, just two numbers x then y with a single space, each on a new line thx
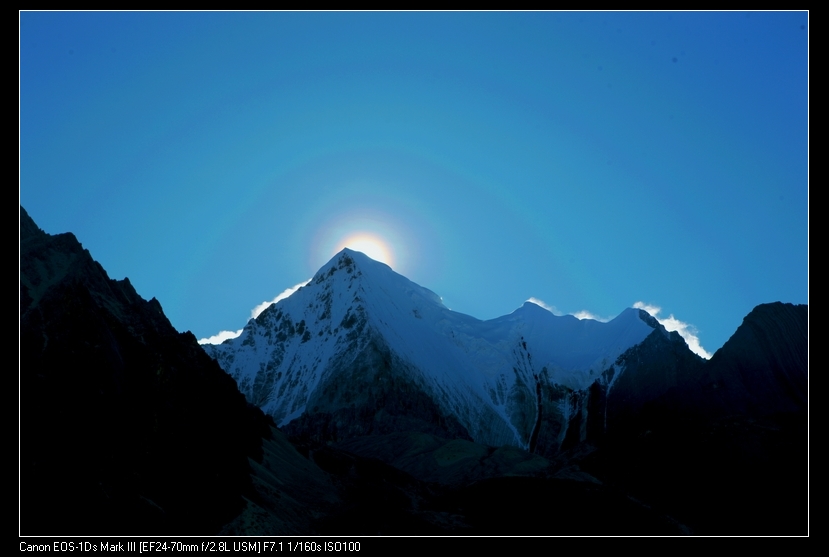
486 374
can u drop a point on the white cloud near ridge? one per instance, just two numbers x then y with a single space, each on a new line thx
671 323
584 314
541 303
222 336
254 313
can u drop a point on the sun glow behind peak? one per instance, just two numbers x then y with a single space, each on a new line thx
378 235
370 245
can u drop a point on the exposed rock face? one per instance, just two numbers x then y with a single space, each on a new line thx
763 368
720 445
647 373
126 426
374 394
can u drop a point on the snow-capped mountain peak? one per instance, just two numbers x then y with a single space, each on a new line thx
349 341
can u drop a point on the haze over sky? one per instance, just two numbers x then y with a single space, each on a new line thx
588 160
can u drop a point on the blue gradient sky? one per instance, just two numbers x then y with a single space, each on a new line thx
590 160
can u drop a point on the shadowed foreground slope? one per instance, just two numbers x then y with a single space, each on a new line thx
126 426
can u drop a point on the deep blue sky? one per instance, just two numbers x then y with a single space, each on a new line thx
589 160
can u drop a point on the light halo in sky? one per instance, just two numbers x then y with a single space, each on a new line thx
369 244
369 232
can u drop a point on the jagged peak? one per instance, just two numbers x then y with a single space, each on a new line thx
28 228
775 311
646 317
774 320
531 307
348 260
349 257
357 264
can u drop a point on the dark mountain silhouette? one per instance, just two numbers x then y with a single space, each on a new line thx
721 445
126 426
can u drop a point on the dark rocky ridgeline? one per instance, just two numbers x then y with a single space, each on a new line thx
719 445
126 426
763 368
661 364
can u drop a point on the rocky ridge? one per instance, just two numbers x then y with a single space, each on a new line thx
126 425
